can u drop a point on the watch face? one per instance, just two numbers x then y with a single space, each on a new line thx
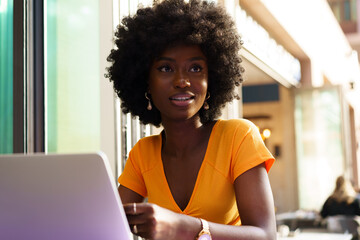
204 237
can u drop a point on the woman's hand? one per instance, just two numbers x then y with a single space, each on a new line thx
151 221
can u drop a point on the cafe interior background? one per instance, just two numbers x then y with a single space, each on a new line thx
302 86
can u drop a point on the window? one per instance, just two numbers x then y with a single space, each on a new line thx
6 76
72 76
345 12
319 144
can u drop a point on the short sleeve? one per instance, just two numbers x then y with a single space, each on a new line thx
249 150
131 177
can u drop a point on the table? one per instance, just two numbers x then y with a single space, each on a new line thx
318 236
299 219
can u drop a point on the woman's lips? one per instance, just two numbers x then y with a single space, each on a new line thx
182 100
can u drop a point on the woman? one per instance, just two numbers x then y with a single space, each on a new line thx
176 65
342 201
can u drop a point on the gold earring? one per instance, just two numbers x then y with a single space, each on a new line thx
149 107
206 105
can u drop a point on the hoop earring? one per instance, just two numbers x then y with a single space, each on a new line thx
149 107
206 105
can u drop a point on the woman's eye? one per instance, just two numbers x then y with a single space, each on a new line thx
196 68
164 68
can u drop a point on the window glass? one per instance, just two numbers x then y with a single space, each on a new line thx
6 76
318 144
72 75
353 10
347 11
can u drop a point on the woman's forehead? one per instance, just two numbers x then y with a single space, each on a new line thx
185 50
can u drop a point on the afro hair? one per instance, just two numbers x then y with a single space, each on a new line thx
140 38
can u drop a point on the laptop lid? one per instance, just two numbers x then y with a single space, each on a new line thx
67 196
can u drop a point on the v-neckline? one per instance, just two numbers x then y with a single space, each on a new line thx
197 177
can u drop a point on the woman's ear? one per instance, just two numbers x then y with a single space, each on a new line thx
148 87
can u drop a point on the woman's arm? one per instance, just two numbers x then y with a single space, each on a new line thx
255 204
129 196
256 208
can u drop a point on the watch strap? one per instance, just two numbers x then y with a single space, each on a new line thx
204 225
205 229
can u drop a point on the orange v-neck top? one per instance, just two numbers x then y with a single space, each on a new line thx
234 147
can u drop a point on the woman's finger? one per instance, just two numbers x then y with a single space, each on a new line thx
141 230
138 208
132 208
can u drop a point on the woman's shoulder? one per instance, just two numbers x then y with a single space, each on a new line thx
228 130
148 143
146 152
232 125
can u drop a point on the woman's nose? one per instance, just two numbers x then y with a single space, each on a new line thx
182 80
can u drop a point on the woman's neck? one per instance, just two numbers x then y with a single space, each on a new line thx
180 138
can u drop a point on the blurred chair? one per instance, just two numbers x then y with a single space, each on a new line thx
344 224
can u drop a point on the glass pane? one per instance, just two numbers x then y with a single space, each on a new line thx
73 75
353 11
6 76
347 11
318 143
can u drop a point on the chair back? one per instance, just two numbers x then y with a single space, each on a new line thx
344 224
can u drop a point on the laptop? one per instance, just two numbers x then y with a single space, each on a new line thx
60 196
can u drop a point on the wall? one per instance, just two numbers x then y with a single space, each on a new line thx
283 177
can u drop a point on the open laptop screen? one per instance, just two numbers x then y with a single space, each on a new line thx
68 196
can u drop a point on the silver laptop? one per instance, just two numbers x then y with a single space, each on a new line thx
70 196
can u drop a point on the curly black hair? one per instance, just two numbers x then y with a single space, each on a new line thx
141 38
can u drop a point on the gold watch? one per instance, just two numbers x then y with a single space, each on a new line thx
204 234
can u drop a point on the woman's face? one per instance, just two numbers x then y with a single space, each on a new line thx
178 82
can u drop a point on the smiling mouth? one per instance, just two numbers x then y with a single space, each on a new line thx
181 98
